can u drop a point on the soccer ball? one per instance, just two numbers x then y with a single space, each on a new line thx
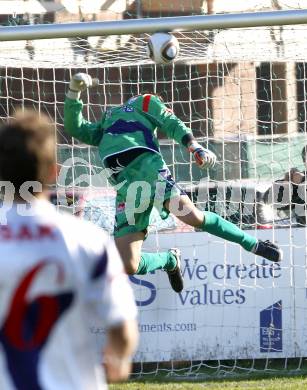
162 48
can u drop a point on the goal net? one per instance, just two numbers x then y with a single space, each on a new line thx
244 94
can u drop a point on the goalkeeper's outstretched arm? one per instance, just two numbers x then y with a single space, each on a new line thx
85 131
174 128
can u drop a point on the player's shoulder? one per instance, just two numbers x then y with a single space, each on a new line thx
81 234
78 226
144 101
74 223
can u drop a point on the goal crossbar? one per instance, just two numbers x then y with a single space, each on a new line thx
150 25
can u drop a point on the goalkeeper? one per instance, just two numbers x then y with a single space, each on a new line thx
128 146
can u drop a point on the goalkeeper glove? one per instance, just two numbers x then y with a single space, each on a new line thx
204 158
78 83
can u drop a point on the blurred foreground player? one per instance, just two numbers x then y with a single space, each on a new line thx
59 278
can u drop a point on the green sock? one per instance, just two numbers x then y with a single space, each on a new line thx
152 261
219 227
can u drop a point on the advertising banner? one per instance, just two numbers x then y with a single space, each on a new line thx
234 304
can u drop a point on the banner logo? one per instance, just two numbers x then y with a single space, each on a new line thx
271 328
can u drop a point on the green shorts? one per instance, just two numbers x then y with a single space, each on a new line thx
145 183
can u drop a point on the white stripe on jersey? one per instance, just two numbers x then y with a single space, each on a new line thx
59 278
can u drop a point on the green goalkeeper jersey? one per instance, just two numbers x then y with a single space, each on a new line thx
130 126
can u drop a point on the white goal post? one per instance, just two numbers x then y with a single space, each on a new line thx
240 82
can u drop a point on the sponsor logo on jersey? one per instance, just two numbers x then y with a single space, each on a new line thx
128 109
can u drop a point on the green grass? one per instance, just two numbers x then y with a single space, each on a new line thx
280 383
264 374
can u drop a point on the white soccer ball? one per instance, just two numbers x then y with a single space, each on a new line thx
162 48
